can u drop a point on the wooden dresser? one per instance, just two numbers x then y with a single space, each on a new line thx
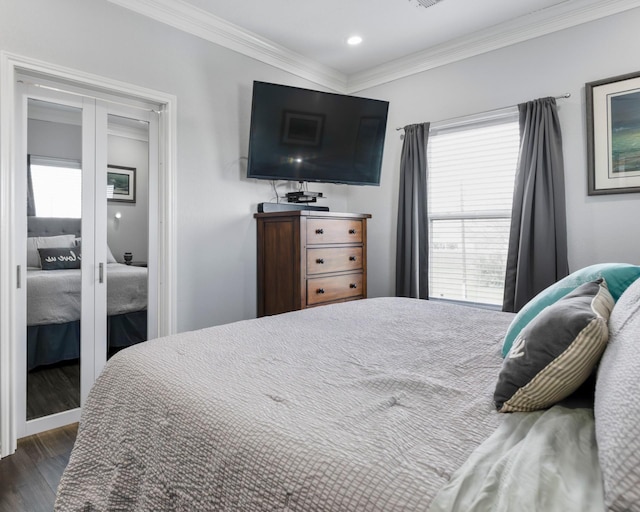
308 258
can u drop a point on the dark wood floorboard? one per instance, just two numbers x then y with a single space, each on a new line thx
53 389
29 478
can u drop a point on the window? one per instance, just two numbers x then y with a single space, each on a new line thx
57 187
472 168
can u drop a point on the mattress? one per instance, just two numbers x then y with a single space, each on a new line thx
366 405
54 296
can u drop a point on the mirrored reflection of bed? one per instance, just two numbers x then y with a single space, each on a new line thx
54 296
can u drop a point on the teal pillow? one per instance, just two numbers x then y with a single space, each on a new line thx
617 275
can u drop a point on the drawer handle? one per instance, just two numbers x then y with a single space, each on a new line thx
352 258
320 290
352 231
352 285
319 231
320 261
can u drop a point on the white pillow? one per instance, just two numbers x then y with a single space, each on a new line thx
45 242
617 405
110 258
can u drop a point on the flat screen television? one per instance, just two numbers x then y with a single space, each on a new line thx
304 135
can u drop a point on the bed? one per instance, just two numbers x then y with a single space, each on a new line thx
381 404
54 297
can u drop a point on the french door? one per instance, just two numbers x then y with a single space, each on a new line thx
86 191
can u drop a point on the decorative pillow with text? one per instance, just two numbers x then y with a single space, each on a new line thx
58 258
45 242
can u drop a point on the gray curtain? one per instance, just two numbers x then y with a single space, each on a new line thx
537 255
412 242
31 203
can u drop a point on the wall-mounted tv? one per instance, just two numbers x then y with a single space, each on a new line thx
304 135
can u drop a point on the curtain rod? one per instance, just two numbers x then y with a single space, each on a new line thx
565 95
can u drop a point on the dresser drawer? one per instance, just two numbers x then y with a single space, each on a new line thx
334 231
328 289
335 259
307 258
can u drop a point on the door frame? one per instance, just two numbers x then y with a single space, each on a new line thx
88 157
73 81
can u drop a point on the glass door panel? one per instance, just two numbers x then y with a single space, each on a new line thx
127 231
86 245
54 185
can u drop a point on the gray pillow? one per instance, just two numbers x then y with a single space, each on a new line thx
557 351
617 405
57 258
44 242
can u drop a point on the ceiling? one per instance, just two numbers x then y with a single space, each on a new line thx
400 37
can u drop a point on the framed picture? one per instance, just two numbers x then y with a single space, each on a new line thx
121 184
613 134
302 128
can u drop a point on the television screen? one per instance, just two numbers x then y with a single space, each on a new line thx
305 135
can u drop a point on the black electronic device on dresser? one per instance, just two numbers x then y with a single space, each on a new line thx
288 207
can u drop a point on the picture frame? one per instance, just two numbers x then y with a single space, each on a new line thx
121 184
613 134
302 128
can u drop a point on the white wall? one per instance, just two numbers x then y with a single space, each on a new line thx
130 233
216 278
215 203
600 228
55 140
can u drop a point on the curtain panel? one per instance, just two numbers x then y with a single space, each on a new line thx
412 232
537 254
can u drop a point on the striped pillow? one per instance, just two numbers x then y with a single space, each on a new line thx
557 351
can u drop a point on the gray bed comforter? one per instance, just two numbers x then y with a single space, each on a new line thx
54 296
364 406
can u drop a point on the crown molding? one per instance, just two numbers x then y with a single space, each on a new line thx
198 22
188 18
545 21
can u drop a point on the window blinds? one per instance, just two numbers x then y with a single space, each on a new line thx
470 189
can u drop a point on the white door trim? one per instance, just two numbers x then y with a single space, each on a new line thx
99 87
86 106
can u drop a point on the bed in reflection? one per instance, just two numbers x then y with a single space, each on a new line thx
54 297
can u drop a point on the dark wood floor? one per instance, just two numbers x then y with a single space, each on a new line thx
53 389
29 478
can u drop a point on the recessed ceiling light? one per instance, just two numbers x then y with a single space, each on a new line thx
354 40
